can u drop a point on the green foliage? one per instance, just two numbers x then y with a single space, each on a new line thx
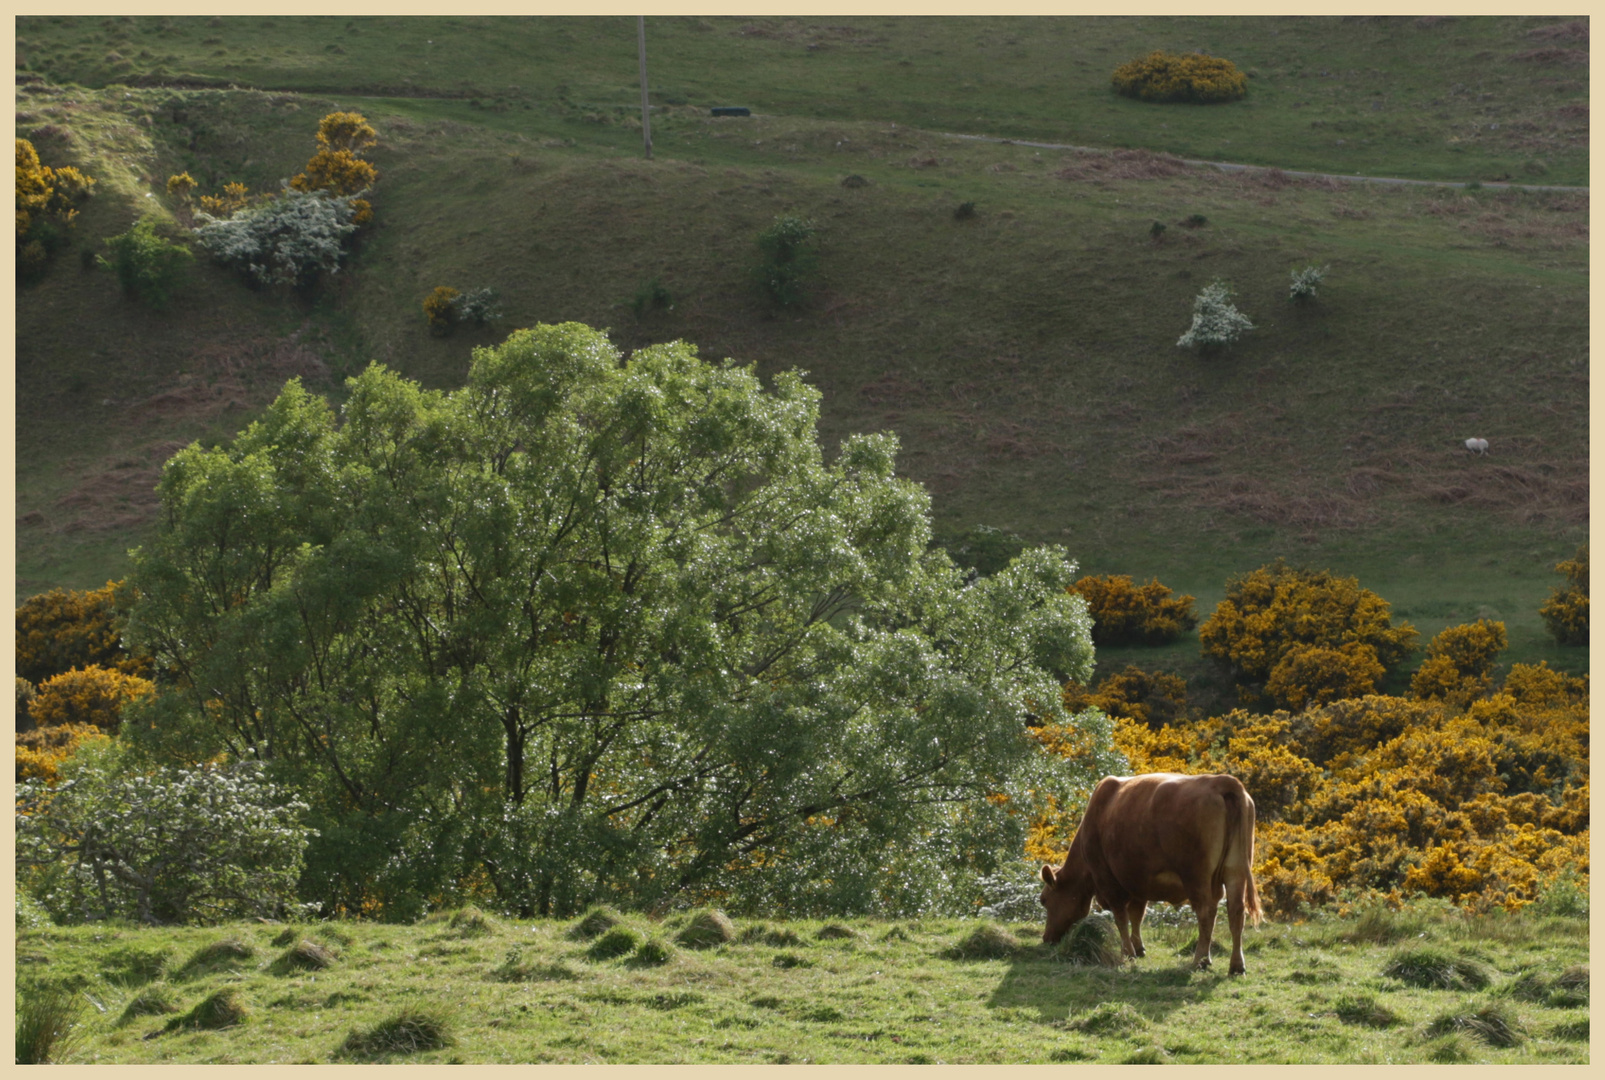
1128 614
1111 1018
47 1025
652 953
983 549
619 941
735 670
595 922
1190 77
180 844
149 268
1216 321
1302 288
790 259
1274 612
1565 613
445 307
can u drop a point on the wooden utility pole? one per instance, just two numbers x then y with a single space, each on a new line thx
646 111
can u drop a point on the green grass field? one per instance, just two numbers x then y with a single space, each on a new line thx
1025 356
858 991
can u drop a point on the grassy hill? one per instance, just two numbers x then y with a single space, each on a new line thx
1025 355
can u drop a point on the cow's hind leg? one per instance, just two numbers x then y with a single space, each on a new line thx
1235 892
1204 907
1119 912
1136 910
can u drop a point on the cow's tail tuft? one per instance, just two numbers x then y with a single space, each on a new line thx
1240 841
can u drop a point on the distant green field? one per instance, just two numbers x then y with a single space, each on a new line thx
1025 356
855 991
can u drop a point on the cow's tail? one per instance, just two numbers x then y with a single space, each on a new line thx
1240 845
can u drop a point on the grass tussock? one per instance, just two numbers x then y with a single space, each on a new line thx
619 941
1092 941
135 967
988 941
1377 925
595 922
789 960
708 928
1493 1025
304 956
1436 969
1571 1031
47 1026
151 1001
413 1030
225 955
223 1009
654 952
1365 1011
471 922
837 932
1111 1018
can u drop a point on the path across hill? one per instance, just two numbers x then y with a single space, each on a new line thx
1227 166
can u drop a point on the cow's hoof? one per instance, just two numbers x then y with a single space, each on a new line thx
1141 952
1238 971
1201 964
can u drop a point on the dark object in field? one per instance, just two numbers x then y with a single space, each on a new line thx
731 110
964 210
853 180
1202 848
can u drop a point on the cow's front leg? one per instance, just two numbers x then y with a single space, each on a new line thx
1136 910
1119 912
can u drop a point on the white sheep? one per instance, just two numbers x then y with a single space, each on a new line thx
1477 446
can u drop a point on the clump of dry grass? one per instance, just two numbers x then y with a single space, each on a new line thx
304 956
1093 941
988 941
412 1030
707 928
1492 1024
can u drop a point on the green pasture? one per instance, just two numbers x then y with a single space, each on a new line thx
1498 989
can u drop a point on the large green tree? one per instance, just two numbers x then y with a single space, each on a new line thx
590 629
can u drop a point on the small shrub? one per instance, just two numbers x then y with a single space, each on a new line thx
1364 1010
789 259
651 297
1111 1018
65 628
92 695
1092 942
477 306
964 211
222 1009
707 929
595 922
1216 321
440 307
1435 969
1195 221
1565 613
180 186
1302 288
854 181
47 1024
1124 613
988 941
1460 662
1183 77
288 240
619 941
148 268
1492 1024
1308 676
413 1030
1156 231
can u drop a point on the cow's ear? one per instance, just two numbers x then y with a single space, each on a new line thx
1047 874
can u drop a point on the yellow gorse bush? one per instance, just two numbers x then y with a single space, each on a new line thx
438 308
1124 613
1194 77
66 628
1566 610
92 695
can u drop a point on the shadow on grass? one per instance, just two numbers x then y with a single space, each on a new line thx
1154 986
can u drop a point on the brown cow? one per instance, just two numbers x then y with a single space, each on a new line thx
1163 836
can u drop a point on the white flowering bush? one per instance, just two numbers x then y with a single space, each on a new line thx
172 846
477 306
287 240
1216 321
1304 283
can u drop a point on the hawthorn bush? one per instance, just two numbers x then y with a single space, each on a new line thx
1183 77
1216 321
1128 614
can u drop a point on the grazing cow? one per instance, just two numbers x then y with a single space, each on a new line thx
1162 836
1477 446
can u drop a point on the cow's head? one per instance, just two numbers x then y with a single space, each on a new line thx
1067 895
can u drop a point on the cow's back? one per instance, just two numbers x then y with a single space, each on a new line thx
1149 836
